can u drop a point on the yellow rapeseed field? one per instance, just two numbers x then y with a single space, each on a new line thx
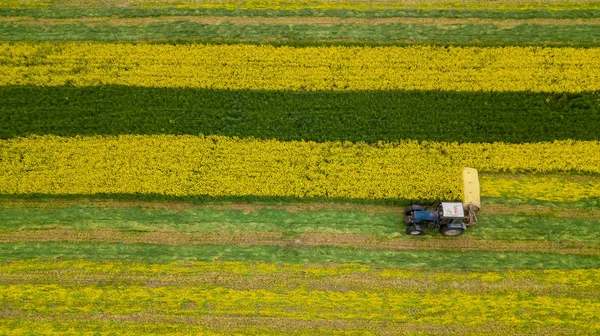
223 166
238 67
432 308
580 278
312 4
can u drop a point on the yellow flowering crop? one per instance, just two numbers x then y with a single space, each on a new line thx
238 67
434 308
222 166
215 165
546 188
580 278
311 4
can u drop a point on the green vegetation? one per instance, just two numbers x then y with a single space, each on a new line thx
318 116
371 34
274 254
417 13
195 219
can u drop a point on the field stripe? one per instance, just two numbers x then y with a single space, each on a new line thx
27 206
316 21
320 255
318 116
524 34
452 307
563 283
379 227
220 166
499 14
320 4
302 69
370 242
210 325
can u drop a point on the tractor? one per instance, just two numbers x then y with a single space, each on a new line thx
450 218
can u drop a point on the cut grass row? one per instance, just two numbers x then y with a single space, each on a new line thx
370 116
368 242
484 260
287 225
525 14
344 34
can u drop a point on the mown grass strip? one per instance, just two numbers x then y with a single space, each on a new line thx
290 225
321 255
369 242
451 307
266 67
369 34
524 14
319 116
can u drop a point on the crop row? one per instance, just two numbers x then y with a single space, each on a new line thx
239 67
305 4
421 259
449 307
580 279
371 230
221 166
280 34
81 12
318 116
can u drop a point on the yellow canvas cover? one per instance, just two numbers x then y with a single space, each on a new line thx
471 187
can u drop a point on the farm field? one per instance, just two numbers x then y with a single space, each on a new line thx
222 167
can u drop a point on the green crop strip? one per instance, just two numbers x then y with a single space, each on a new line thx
383 258
388 34
138 219
433 13
319 116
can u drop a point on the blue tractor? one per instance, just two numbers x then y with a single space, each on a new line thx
450 218
447 217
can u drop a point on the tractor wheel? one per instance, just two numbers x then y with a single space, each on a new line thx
415 230
451 232
412 208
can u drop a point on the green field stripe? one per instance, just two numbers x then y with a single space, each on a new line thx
320 116
273 254
154 12
390 225
182 31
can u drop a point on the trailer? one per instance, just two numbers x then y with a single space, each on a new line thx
449 218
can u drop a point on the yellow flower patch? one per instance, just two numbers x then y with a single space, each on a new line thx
223 166
249 67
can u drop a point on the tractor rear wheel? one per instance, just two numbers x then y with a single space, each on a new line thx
451 232
415 230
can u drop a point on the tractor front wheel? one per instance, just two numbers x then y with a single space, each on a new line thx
415 230
451 232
